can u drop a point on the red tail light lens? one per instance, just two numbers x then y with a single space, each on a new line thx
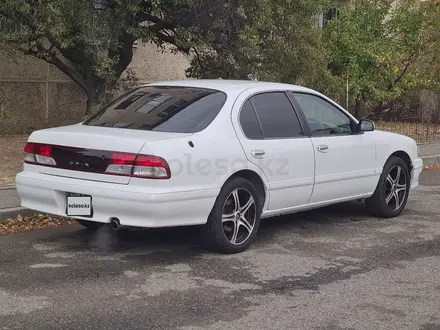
121 164
122 159
29 156
43 150
39 153
43 154
142 166
29 148
151 167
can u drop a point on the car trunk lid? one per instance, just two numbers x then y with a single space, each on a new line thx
84 152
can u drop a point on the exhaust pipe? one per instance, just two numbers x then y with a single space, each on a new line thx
115 224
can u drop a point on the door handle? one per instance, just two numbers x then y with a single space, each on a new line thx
322 148
258 153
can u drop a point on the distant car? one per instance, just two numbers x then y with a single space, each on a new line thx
216 153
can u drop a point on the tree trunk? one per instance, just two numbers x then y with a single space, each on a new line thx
92 101
357 109
96 95
83 74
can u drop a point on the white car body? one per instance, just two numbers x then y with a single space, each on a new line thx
295 175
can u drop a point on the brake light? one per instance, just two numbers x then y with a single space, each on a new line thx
29 156
142 166
43 150
43 154
122 159
118 163
35 153
151 167
121 164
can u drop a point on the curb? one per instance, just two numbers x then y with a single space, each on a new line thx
14 212
431 160
7 186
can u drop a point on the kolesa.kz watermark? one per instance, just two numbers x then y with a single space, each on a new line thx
223 166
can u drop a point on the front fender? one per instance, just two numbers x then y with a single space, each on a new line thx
388 143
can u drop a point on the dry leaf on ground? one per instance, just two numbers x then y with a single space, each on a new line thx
433 167
32 223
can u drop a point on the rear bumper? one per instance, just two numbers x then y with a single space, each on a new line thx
415 174
47 194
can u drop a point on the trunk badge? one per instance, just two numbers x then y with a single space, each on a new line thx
82 164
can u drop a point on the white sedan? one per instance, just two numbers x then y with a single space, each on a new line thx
216 153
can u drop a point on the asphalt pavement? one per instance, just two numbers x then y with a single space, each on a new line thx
334 268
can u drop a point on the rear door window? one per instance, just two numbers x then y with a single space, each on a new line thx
163 109
277 117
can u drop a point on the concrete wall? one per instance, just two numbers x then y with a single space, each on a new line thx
153 65
34 94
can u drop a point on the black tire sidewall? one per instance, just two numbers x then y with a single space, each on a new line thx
377 201
213 234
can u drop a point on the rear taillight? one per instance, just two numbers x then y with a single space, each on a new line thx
142 166
43 154
115 163
36 153
152 167
121 164
29 156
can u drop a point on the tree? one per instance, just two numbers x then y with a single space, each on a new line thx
380 45
91 41
279 42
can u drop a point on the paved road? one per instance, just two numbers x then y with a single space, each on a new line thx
335 268
429 149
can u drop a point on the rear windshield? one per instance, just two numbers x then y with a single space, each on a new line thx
162 108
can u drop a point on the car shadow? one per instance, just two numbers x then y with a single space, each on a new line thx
337 213
177 238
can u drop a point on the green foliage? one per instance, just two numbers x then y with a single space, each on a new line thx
277 41
92 40
384 47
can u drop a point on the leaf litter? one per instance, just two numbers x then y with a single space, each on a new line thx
32 223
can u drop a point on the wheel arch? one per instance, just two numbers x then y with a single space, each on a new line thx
256 180
405 157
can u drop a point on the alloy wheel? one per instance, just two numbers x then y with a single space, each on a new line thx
395 188
239 216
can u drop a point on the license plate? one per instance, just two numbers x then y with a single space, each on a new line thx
79 206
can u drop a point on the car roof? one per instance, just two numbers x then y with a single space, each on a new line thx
226 85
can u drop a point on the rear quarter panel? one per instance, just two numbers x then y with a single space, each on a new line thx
215 156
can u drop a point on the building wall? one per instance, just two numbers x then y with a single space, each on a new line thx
34 94
150 64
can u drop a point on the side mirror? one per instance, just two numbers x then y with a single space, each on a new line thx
366 125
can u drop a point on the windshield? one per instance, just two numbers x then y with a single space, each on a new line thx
163 109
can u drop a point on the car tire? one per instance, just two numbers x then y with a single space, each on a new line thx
391 194
232 227
89 224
